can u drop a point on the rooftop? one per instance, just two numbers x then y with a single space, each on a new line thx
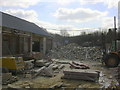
21 24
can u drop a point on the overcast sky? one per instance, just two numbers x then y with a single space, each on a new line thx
84 15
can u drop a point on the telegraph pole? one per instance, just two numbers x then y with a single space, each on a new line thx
115 33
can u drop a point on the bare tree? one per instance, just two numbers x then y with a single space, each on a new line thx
64 33
83 33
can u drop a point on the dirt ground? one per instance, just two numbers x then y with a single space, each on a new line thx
107 78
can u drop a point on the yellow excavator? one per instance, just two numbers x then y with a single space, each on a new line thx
112 59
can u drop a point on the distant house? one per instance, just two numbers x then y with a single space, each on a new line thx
20 37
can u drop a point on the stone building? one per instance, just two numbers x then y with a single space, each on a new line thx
23 38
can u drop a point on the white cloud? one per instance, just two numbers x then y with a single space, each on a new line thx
27 3
25 14
82 2
65 2
107 22
109 3
18 3
31 15
83 15
78 14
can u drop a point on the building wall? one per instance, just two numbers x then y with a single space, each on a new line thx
14 43
37 46
25 44
21 45
43 43
36 43
49 44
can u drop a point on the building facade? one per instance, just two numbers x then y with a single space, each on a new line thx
23 38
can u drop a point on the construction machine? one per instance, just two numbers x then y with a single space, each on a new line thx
12 64
112 59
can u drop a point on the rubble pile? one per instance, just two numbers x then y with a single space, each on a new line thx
73 51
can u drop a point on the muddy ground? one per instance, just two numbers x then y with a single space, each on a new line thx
107 78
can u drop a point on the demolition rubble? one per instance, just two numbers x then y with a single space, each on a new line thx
73 51
56 72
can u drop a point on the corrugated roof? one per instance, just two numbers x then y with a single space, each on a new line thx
20 24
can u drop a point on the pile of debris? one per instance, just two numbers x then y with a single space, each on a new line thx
74 51
41 67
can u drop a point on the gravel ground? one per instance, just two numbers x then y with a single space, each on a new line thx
107 78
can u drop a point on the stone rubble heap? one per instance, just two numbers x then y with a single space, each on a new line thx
73 51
